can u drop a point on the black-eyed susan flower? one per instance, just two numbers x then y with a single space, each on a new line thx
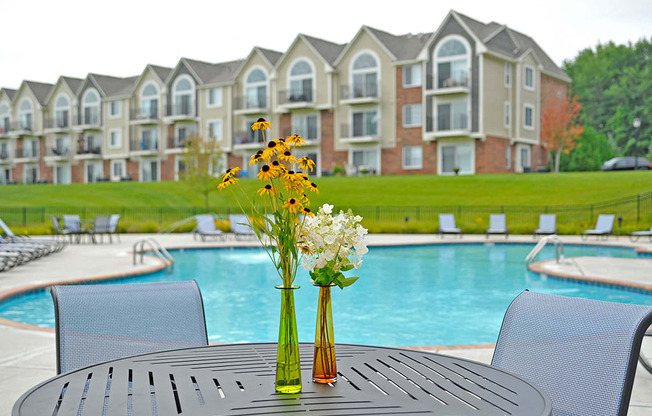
286 157
266 173
293 205
266 190
261 124
307 212
306 163
295 140
257 158
305 250
226 182
232 172
313 188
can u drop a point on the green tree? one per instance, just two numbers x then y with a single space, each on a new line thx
591 151
202 166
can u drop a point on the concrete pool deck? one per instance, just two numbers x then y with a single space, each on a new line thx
27 356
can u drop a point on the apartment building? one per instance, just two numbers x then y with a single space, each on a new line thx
464 99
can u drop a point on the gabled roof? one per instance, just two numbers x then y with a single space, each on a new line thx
329 51
161 71
10 93
40 90
113 86
270 55
403 47
72 84
272 58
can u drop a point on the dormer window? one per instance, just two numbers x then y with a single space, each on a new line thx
256 89
26 114
364 73
61 112
301 81
452 64
149 101
90 108
183 97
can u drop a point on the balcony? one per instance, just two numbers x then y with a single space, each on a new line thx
5 155
358 134
5 127
455 126
21 128
58 152
57 124
312 138
177 142
459 84
90 120
180 111
144 116
27 153
248 140
91 149
296 99
359 94
249 105
144 145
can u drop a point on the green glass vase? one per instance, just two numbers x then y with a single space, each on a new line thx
324 368
288 363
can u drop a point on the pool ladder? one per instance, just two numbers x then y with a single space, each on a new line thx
157 248
559 248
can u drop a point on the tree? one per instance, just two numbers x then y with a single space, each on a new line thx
202 166
559 126
591 151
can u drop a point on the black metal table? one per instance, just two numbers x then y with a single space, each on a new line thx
238 379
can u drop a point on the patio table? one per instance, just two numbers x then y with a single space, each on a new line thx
238 379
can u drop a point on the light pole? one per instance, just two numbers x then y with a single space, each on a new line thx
637 124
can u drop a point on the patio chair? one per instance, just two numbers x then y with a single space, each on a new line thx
56 227
646 360
447 225
603 227
581 352
72 223
637 234
547 224
239 226
497 225
206 227
113 227
101 226
96 323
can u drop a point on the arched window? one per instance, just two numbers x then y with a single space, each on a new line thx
365 76
183 98
452 63
61 111
5 118
256 89
300 80
91 107
149 101
26 114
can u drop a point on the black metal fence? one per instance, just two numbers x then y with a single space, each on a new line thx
632 209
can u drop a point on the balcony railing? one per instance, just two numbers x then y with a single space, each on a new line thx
295 97
451 82
141 114
5 155
177 142
350 133
310 137
57 123
88 119
58 151
21 126
144 145
348 92
27 153
180 109
246 103
90 148
248 138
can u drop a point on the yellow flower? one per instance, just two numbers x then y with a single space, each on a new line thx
305 250
226 182
306 163
273 148
278 168
295 140
293 205
313 188
266 173
266 190
307 212
257 158
287 157
231 173
261 124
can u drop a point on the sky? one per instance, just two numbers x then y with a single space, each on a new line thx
43 39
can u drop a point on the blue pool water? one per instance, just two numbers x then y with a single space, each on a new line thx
447 294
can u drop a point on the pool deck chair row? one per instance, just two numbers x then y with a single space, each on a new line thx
16 250
497 225
603 227
238 226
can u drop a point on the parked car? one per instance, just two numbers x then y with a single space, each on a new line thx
626 163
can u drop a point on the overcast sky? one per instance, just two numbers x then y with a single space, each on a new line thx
43 39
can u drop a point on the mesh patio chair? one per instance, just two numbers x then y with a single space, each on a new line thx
101 226
447 225
637 234
239 226
113 227
581 352
206 227
603 226
96 323
497 225
547 224
72 224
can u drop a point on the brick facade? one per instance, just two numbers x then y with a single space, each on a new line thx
490 155
167 168
329 156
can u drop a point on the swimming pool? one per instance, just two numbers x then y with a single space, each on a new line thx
448 294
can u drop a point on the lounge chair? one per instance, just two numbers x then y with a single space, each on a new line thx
96 323
206 228
42 246
239 226
580 352
603 226
447 225
637 234
547 224
113 227
497 225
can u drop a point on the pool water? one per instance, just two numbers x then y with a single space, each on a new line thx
448 294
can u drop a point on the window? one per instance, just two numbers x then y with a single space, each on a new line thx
300 80
93 171
5 175
508 157
412 115
184 132
365 123
149 170
412 157
90 108
183 98
180 168
149 139
508 74
508 112
215 129
118 170
5 151
62 146
30 174
457 159
4 118
412 76
452 115
30 148
61 112
116 109
525 158
250 136
149 101
528 117
364 82
365 161
306 126
528 79
452 64
215 97
256 89
25 114
115 139
62 174
92 144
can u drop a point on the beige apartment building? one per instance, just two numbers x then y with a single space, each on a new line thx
466 98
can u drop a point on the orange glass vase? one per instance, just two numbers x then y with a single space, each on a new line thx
324 368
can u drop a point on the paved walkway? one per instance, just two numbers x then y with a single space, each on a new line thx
27 356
